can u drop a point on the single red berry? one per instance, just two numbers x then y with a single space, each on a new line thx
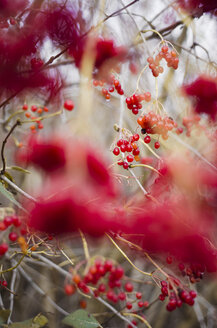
128 287
140 304
69 289
136 152
136 137
120 142
193 294
16 221
138 295
4 283
123 148
147 139
3 248
157 145
146 304
122 296
130 158
34 108
116 151
69 105
13 236
129 306
125 165
169 258
25 107
8 220
161 297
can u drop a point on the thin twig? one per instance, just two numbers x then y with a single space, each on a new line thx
41 292
4 144
13 279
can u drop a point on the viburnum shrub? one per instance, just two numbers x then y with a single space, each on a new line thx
108 175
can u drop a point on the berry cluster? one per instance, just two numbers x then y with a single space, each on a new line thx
134 102
113 85
14 225
176 298
194 272
37 110
127 146
170 57
107 280
156 124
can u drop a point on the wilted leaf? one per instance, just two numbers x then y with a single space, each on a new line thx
81 319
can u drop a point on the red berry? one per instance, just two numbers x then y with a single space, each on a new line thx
130 158
140 304
69 105
129 306
169 258
125 165
136 137
3 248
4 283
116 151
193 294
120 142
138 295
25 107
147 139
123 148
157 145
122 296
34 108
128 287
13 236
16 221
69 289
8 220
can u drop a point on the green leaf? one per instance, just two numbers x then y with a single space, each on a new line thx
9 195
4 314
81 319
38 322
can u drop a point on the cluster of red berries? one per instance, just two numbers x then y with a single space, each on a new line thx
127 146
113 85
134 102
188 123
107 279
156 124
8 223
37 110
176 298
194 272
170 57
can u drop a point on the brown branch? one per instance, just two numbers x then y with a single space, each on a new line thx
4 144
